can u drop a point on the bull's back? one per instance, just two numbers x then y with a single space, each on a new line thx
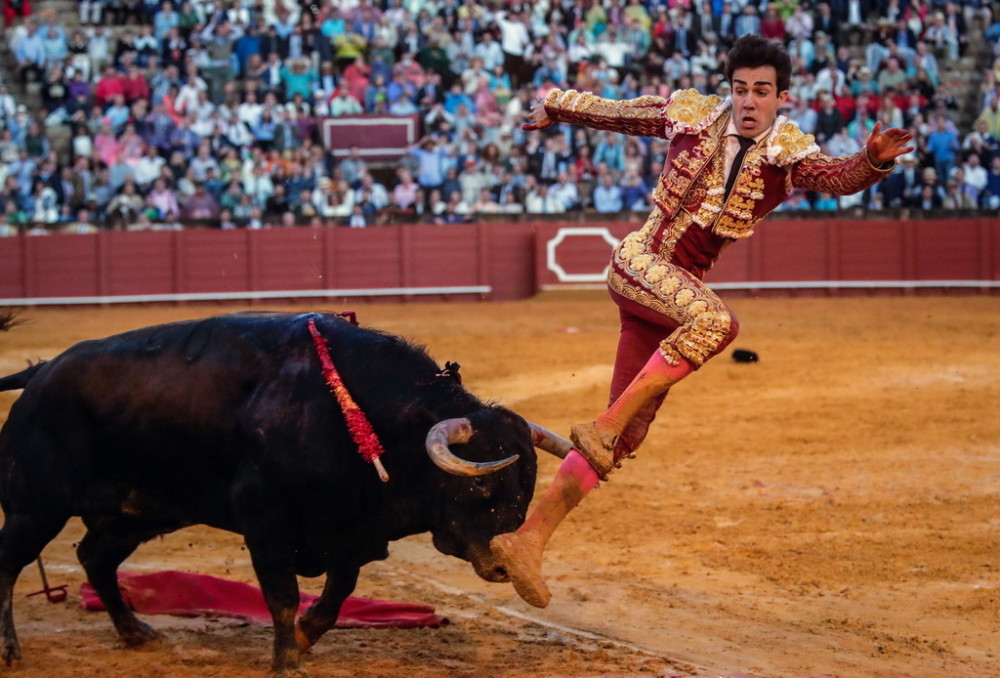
173 410
191 372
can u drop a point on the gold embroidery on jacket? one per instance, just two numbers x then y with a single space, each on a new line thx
711 206
691 192
738 218
788 144
643 116
675 185
843 175
692 109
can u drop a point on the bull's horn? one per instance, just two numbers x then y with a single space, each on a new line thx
546 440
449 431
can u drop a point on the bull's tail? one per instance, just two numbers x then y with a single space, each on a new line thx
21 379
15 381
7 320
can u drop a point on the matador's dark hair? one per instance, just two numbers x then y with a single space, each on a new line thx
753 51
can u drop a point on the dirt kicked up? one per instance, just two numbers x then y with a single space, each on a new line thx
833 510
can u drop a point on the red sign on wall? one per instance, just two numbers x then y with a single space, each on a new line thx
379 139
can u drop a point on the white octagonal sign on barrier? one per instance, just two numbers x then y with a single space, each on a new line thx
552 260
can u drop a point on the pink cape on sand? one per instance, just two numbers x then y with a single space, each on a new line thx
197 595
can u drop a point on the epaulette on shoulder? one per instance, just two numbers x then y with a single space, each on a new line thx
692 111
788 144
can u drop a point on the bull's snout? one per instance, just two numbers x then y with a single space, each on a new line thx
495 573
478 555
486 566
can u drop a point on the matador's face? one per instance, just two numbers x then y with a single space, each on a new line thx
756 99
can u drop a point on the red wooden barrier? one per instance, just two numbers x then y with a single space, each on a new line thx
485 260
806 254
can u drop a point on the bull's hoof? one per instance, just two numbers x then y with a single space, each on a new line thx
596 448
140 635
10 651
295 672
520 556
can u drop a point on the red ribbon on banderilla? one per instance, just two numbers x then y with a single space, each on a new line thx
360 428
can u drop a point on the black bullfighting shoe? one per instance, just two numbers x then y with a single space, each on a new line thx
520 556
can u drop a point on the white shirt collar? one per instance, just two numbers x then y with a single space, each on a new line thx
732 131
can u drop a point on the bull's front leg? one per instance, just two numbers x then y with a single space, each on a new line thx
322 615
269 530
274 565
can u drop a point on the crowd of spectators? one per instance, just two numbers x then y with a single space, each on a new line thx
206 112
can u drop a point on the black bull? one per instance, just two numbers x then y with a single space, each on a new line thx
229 422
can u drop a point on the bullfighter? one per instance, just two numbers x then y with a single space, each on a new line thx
730 163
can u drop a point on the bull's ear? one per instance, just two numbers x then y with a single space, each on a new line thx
451 370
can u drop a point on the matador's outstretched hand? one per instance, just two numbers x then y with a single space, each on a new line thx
884 147
538 118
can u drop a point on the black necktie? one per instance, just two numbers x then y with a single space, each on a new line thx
745 144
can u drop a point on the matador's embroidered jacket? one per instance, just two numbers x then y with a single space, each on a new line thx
691 220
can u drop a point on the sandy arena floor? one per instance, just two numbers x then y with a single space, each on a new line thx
830 511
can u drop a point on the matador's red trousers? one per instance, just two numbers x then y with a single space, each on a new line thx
642 332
